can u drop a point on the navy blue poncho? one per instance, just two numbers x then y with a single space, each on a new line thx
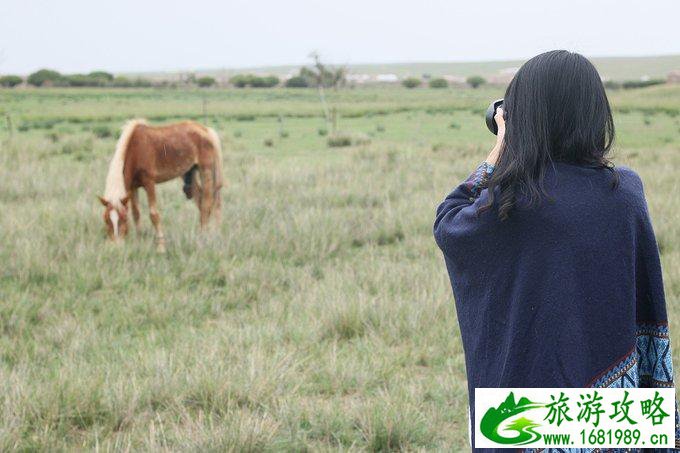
565 294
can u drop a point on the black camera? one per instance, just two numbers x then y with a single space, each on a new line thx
490 112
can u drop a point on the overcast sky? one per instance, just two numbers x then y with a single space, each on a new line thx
154 35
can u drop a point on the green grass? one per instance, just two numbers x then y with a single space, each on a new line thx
319 317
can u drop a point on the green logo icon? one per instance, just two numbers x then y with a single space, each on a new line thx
494 417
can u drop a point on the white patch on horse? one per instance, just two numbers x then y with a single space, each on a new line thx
113 215
115 182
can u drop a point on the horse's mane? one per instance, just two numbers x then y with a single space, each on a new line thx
115 183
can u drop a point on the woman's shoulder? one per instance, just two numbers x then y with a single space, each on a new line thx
619 182
630 189
626 178
629 180
628 175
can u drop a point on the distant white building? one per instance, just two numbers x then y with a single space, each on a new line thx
454 79
387 78
359 79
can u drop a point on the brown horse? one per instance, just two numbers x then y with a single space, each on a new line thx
147 155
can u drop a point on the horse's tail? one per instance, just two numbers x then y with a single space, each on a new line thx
217 172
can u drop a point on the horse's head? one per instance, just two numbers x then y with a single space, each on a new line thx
115 218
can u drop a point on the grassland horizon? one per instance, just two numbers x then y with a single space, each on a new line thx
617 68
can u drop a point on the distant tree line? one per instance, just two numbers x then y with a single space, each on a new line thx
318 76
628 84
49 77
414 82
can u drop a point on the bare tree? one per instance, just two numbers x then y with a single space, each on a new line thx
319 76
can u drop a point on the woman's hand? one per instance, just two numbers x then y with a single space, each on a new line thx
498 147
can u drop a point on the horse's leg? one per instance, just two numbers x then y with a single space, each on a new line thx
150 188
217 206
207 194
134 200
196 190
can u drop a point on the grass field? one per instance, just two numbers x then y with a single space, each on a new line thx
319 317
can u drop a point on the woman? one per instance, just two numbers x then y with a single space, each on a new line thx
549 248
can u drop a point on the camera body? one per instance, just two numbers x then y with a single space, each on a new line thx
490 112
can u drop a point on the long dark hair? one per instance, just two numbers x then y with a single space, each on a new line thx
556 110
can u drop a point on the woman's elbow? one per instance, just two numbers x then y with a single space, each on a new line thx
437 234
444 236
455 231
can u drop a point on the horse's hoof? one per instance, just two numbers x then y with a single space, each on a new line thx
160 248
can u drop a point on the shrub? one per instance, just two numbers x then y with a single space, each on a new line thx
121 81
269 143
271 81
93 79
240 81
411 82
82 80
103 75
628 84
45 77
250 80
124 82
264 82
245 117
10 81
323 75
141 83
205 82
439 83
322 131
475 81
338 140
102 131
297 82
612 85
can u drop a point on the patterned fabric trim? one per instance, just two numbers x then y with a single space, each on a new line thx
648 364
656 360
479 179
